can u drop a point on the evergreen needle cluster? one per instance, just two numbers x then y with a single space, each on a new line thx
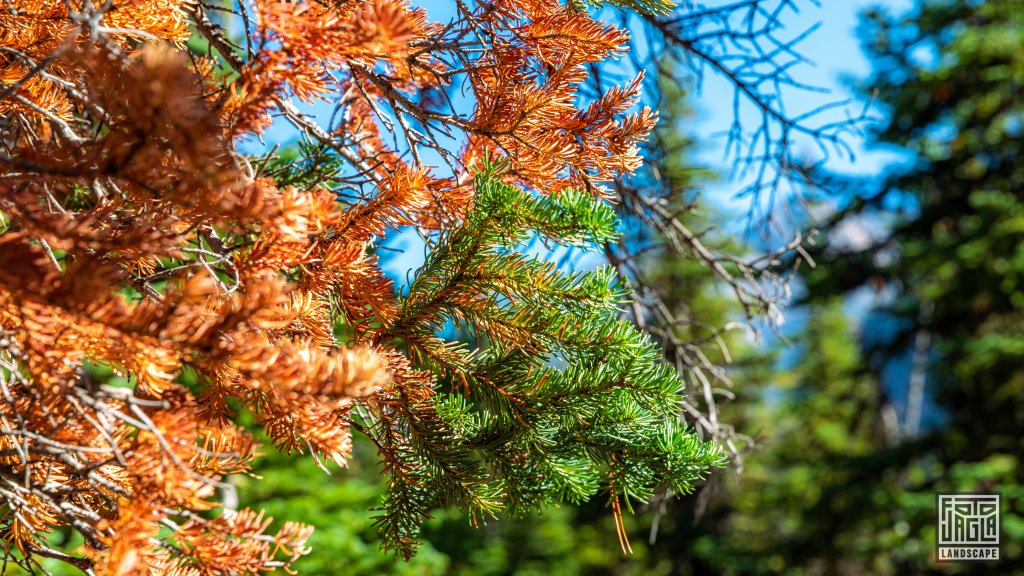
564 401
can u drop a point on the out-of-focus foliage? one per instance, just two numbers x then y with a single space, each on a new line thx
846 480
948 265
818 484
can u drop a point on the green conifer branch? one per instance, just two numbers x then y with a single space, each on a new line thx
564 398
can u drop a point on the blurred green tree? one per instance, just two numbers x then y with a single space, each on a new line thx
855 446
817 496
948 260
